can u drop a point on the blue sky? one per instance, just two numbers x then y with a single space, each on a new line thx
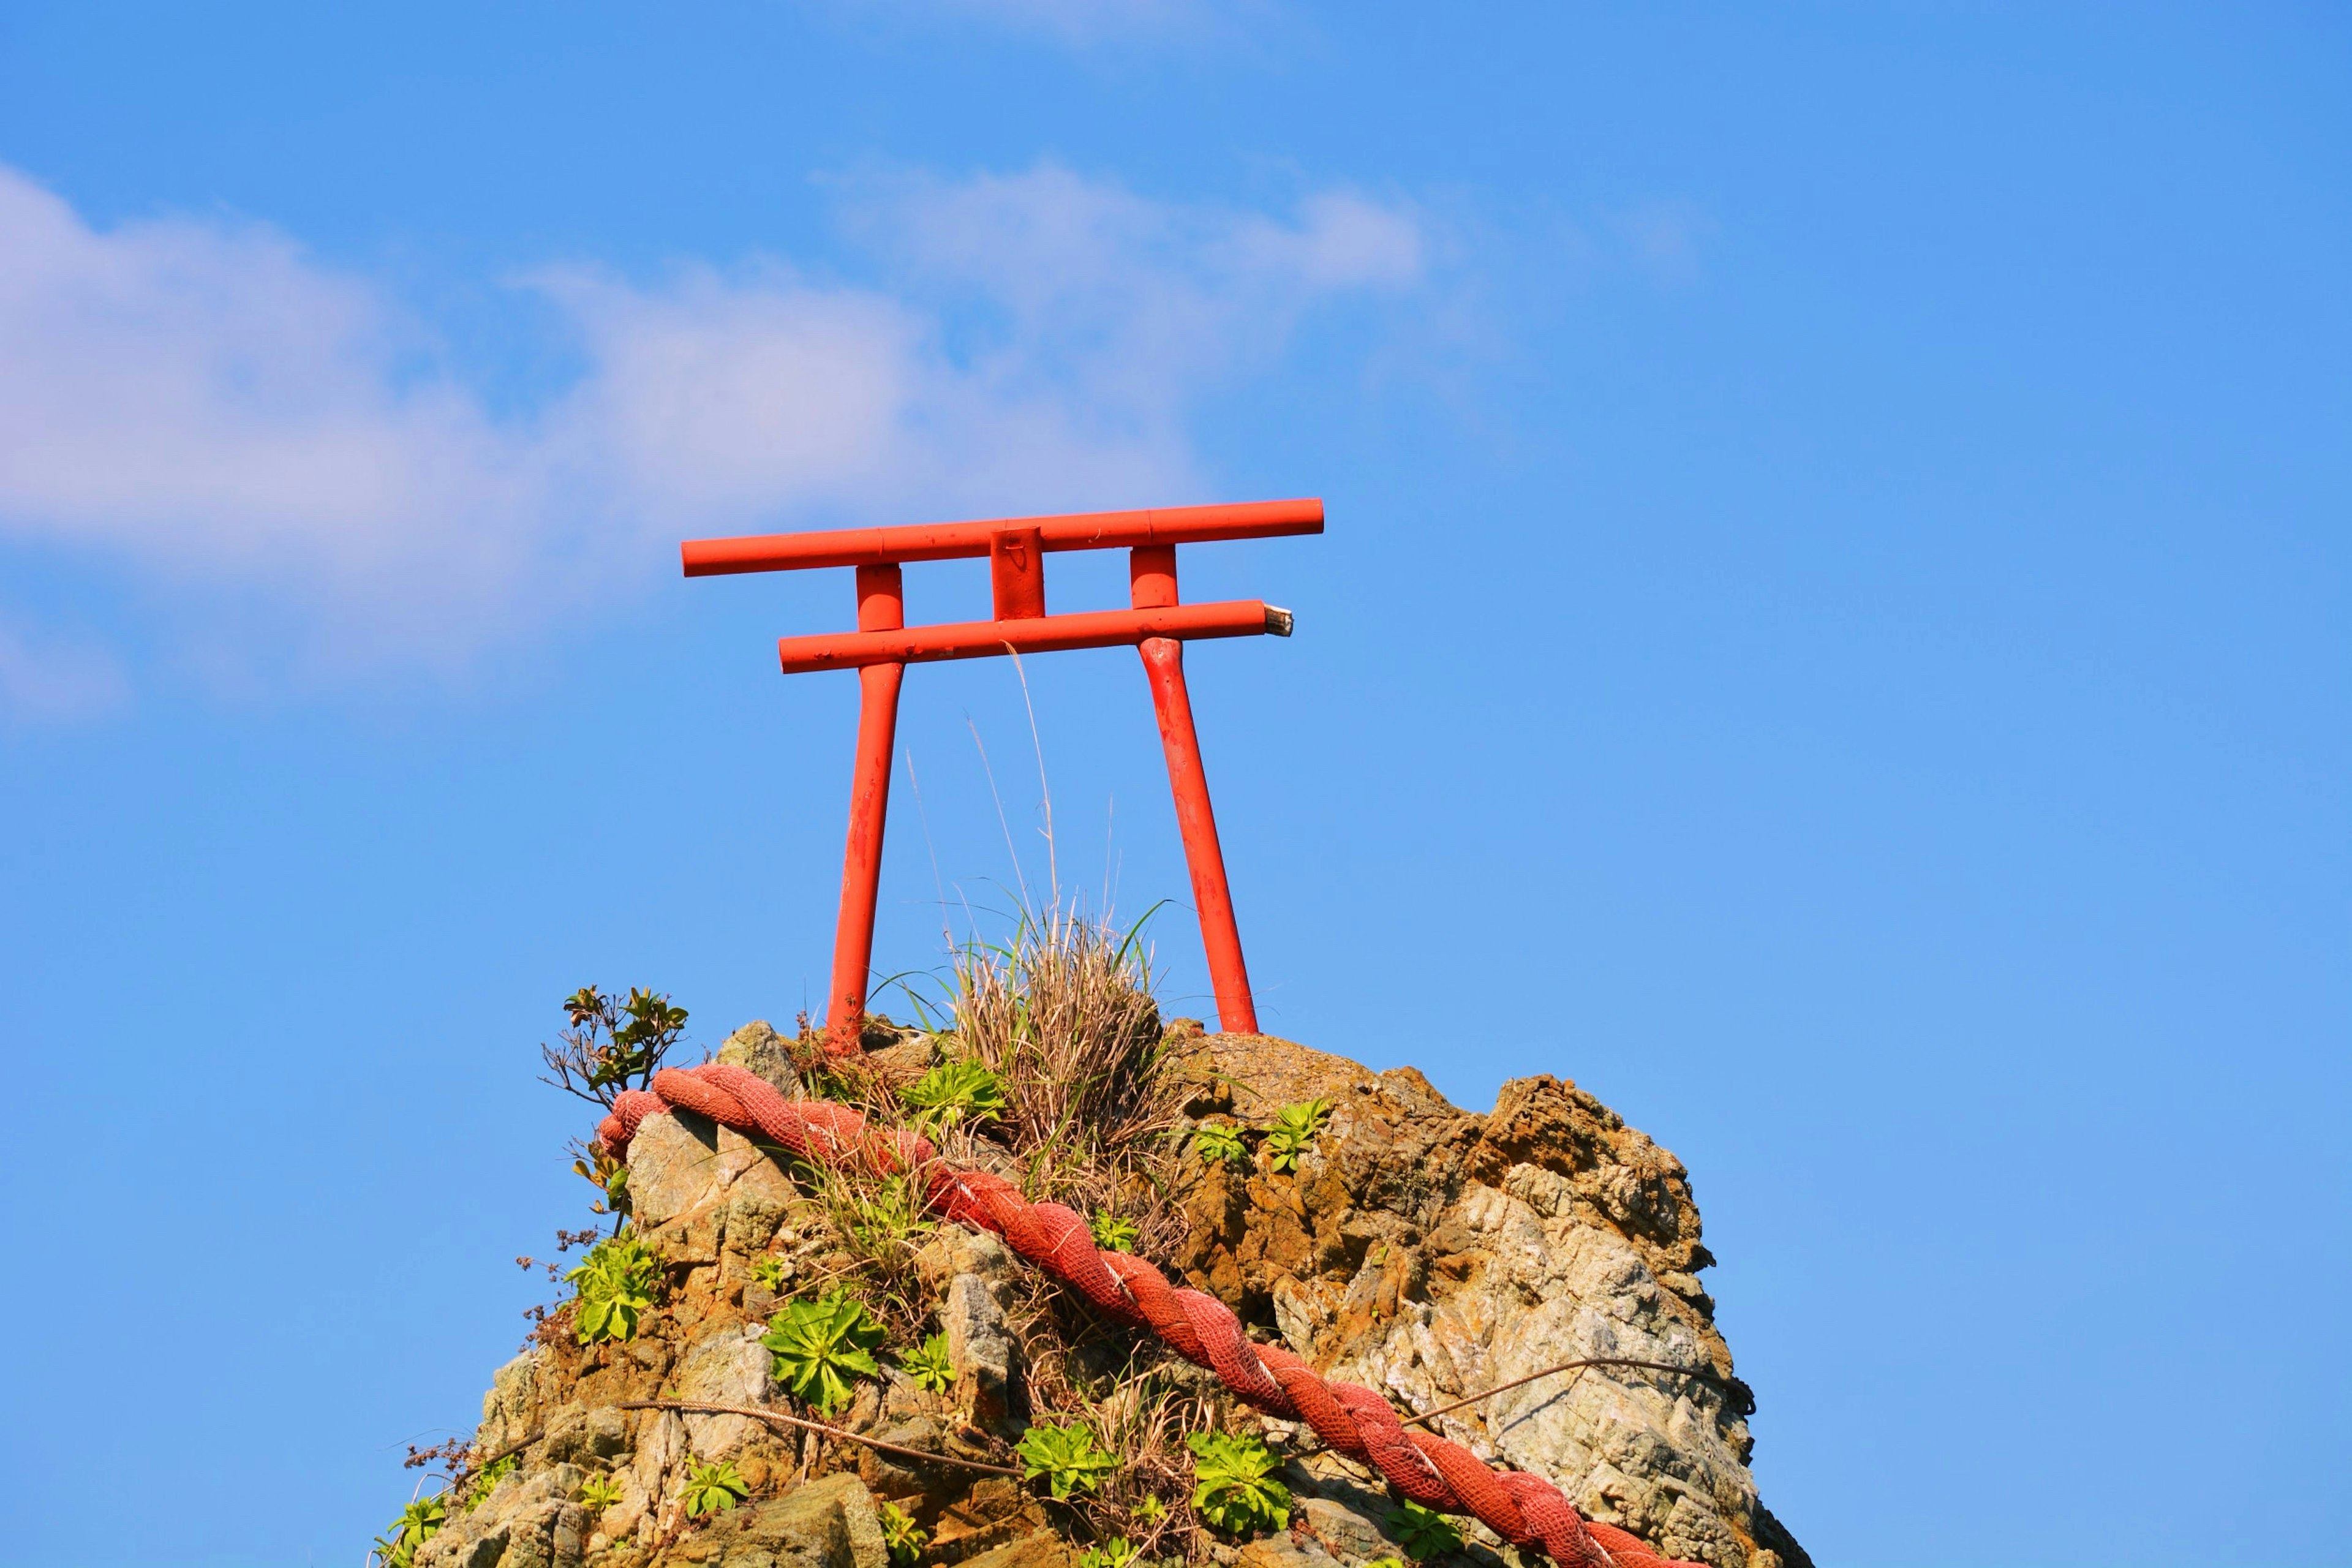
1832 634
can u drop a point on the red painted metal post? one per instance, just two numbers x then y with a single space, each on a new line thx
1152 581
881 607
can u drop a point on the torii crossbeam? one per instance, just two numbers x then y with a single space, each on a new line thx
882 646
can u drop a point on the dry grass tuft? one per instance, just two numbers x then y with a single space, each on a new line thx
1065 1017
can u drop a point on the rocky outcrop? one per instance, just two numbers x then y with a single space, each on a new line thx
1431 1254
1424 1250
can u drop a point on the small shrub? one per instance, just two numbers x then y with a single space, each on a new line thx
957 1091
901 1534
1423 1533
1112 1232
771 1271
929 1366
821 1346
419 1522
714 1488
1113 1553
488 1481
1292 1131
1067 1457
598 1493
617 1280
1218 1144
607 1172
1234 1488
601 1054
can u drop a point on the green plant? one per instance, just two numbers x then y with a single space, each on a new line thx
617 1280
488 1481
603 1053
417 1523
821 1345
1385 1563
714 1488
607 1172
1423 1533
598 1493
901 1534
1113 1553
1151 1509
1218 1144
1112 1231
771 1271
1234 1488
929 1366
1067 1457
1292 1129
953 1091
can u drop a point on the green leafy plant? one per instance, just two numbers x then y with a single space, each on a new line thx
617 1281
1293 1130
771 1271
419 1522
929 1366
1385 1563
901 1534
821 1346
1423 1533
488 1481
1113 1553
612 1044
1234 1485
607 1172
1218 1144
1113 1231
714 1488
1151 1509
598 1493
956 1091
1067 1457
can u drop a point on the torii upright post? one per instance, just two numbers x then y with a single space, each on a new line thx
1156 623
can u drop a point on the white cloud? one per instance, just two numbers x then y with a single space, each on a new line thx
208 405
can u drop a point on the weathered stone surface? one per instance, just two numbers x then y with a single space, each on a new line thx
525 1523
728 1366
1420 1249
758 1049
683 1167
826 1524
1431 1253
980 1348
1042 1550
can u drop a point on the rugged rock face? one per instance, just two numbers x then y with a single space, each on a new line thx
1432 1254
1423 1250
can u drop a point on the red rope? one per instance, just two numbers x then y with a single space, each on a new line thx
1523 1509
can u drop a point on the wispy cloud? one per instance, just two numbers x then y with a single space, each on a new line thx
203 405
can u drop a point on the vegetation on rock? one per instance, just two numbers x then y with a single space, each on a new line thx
714 1487
1234 1485
417 1523
1067 1457
821 1346
1422 1533
617 1280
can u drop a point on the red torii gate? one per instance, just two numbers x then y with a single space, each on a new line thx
884 644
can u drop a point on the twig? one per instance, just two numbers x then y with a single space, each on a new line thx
502 1453
759 1415
1707 1373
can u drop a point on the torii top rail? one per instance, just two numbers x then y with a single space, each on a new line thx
881 647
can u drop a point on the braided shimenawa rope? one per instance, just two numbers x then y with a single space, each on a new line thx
1525 1509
